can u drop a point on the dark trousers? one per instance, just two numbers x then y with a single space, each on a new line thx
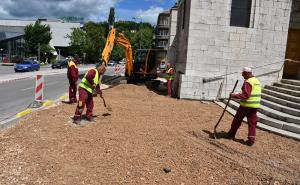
85 99
170 87
242 112
72 91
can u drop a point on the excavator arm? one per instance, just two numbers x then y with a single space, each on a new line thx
124 42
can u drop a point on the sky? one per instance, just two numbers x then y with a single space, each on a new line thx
94 10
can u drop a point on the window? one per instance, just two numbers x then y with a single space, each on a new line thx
163 32
240 13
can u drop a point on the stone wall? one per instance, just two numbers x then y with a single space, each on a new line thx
171 55
215 48
181 41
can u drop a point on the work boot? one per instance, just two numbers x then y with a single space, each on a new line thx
228 136
249 142
77 121
90 119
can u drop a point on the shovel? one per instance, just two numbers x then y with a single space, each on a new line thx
215 129
106 106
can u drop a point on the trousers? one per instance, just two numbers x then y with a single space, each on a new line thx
170 87
251 115
72 91
85 99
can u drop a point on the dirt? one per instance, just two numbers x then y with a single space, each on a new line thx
143 135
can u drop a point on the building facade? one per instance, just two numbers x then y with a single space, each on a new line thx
171 54
216 39
12 32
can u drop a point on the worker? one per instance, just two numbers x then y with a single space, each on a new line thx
249 104
73 76
89 85
169 76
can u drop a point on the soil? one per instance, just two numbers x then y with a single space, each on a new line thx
143 135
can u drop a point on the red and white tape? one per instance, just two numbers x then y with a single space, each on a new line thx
39 87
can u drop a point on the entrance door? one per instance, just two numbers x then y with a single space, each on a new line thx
292 69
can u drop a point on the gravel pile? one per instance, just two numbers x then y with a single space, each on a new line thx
146 139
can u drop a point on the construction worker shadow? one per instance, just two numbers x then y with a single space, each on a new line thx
157 86
223 135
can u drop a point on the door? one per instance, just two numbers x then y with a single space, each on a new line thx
292 69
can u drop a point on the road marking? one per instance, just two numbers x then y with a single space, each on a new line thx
24 113
51 83
48 103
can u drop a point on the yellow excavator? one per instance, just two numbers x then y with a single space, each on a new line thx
146 62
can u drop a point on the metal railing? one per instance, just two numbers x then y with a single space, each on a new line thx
221 77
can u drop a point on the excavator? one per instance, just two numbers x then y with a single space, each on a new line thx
142 68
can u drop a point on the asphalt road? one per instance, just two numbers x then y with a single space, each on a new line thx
16 96
4 70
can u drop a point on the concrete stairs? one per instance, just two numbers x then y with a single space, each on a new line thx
280 108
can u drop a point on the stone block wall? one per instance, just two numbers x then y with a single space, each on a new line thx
214 48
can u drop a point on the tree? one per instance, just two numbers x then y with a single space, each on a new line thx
142 39
37 35
79 41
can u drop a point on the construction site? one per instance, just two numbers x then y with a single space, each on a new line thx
216 101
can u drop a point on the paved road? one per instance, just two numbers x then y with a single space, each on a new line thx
4 70
16 96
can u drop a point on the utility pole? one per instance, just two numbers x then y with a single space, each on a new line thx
39 52
1 49
58 54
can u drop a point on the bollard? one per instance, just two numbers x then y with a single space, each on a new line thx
39 88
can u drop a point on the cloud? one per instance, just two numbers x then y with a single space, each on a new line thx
149 15
96 10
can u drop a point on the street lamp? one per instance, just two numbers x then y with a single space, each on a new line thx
58 54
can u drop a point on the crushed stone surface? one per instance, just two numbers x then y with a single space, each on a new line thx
144 134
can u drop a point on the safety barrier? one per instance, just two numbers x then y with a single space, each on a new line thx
39 88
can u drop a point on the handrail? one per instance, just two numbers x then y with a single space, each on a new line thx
206 80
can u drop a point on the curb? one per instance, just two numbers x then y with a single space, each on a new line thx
13 120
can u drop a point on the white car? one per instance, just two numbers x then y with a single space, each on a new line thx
111 64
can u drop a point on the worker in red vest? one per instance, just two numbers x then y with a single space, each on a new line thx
73 76
169 76
89 85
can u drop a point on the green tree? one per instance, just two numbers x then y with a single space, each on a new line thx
79 41
96 41
37 34
142 39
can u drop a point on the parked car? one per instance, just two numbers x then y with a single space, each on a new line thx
162 65
111 63
122 62
27 65
60 64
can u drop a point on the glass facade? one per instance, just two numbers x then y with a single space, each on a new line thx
11 43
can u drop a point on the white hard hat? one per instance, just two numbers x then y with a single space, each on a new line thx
247 69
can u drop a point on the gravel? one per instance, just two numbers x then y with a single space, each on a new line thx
144 133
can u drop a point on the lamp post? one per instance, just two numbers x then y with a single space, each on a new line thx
1 49
58 54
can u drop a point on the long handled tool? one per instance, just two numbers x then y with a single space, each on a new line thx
215 129
105 105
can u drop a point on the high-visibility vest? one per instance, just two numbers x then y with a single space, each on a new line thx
86 85
254 100
168 75
72 63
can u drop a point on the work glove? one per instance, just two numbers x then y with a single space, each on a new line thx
94 93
